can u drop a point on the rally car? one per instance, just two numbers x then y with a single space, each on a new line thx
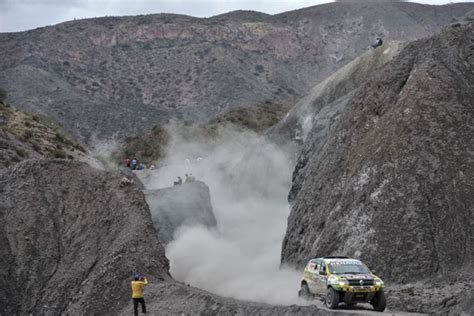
342 280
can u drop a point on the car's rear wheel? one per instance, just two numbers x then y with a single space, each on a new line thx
379 301
304 291
332 298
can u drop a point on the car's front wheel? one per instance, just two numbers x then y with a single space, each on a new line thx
304 291
332 298
379 301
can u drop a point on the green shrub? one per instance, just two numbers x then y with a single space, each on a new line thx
58 153
20 152
58 135
36 146
27 134
80 148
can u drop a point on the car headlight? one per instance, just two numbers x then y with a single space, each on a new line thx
378 282
343 282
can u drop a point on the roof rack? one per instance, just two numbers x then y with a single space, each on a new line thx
336 257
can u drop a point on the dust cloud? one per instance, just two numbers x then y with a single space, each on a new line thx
249 180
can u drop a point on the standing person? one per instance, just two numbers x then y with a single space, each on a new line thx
134 163
137 295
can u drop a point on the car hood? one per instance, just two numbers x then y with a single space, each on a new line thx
357 276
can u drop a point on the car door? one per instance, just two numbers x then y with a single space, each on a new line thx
320 279
309 275
315 278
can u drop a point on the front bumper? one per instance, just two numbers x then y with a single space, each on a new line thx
357 297
354 294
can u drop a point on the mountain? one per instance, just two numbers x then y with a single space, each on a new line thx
120 76
391 181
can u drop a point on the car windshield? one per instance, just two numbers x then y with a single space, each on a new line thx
348 267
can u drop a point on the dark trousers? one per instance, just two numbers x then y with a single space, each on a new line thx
135 305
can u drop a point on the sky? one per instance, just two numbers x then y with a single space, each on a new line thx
21 15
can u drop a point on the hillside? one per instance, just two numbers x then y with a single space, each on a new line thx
25 136
120 77
391 183
325 101
72 238
150 146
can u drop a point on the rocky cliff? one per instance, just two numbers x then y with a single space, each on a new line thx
188 204
325 101
391 183
71 240
122 76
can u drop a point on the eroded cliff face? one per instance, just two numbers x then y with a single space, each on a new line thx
121 76
188 204
71 239
392 182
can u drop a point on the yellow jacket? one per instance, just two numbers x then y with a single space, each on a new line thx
137 288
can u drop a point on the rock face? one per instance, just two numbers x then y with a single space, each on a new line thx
325 101
72 238
391 183
187 204
121 76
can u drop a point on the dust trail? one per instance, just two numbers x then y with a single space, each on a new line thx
249 179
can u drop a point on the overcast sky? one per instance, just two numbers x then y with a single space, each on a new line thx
20 15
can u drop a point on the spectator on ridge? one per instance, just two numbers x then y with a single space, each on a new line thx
137 295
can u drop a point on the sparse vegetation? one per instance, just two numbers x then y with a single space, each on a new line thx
150 147
58 135
31 136
20 152
257 118
58 153
79 147
36 147
27 134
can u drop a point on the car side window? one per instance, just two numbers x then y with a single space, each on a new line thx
323 269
